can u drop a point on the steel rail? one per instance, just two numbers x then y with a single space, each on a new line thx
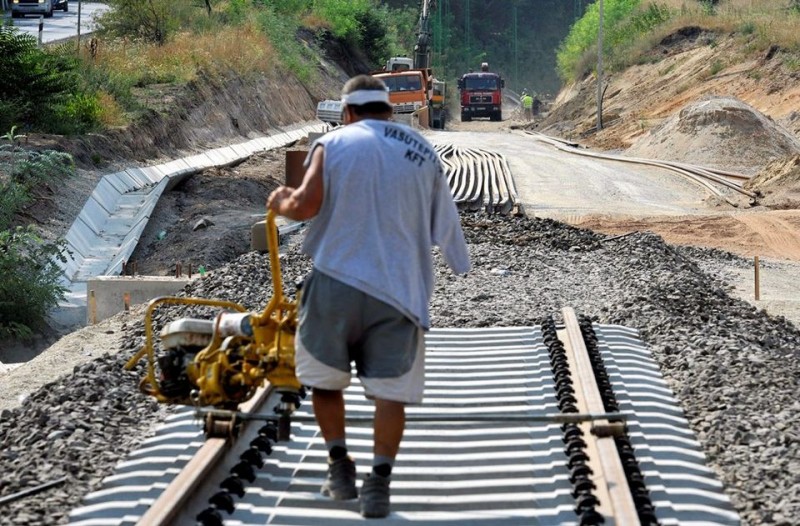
616 502
167 507
695 173
494 197
479 179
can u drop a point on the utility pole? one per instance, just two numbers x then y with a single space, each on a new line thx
467 31
600 70
79 27
516 50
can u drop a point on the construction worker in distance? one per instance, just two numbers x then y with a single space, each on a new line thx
527 105
380 202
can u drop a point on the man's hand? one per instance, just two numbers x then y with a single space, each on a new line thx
277 197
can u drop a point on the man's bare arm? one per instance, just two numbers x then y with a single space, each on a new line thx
303 202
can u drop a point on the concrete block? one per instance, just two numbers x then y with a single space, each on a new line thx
263 144
123 182
241 151
173 168
258 232
94 215
81 238
146 175
106 195
272 142
199 162
314 135
251 146
109 292
222 156
91 267
73 263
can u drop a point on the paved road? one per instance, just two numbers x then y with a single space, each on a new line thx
62 25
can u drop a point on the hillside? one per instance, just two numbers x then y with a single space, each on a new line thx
701 99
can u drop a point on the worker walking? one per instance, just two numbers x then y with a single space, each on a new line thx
527 105
380 200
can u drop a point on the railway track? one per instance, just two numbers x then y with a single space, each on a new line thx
545 424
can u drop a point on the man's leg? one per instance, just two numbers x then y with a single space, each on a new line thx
340 483
390 420
329 411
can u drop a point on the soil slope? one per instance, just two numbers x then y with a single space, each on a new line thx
699 101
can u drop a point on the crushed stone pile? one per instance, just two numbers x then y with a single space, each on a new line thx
718 132
734 369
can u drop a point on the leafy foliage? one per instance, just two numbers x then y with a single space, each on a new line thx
30 283
150 20
37 84
623 22
29 270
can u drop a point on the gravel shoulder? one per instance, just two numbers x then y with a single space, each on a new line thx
734 368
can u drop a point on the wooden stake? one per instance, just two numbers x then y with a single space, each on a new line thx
126 300
757 278
92 308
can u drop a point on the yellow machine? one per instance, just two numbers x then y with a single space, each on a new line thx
221 362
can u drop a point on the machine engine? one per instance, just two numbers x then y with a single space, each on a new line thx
221 362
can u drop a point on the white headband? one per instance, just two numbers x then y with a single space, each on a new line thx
364 96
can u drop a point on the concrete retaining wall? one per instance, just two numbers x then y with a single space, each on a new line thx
109 226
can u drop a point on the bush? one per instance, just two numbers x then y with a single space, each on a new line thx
151 20
29 271
29 280
50 82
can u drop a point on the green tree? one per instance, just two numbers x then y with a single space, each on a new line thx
149 20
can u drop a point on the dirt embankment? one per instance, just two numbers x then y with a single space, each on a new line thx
212 111
699 101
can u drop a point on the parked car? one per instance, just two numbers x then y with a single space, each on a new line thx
37 7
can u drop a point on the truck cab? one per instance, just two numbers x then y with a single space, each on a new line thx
481 95
408 89
399 64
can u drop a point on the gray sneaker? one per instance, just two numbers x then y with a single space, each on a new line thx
340 484
375 496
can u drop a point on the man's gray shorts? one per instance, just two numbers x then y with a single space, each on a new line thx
340 325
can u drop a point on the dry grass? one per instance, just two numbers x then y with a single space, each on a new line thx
111 113
243 49
768 22
315 22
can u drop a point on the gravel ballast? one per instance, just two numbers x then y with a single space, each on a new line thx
733 368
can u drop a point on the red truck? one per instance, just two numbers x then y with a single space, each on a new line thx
481 95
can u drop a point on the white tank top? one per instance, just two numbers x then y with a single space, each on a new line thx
386 203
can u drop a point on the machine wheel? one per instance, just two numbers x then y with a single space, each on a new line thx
496 116
465 117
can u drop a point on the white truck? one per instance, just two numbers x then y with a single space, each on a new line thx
20 8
